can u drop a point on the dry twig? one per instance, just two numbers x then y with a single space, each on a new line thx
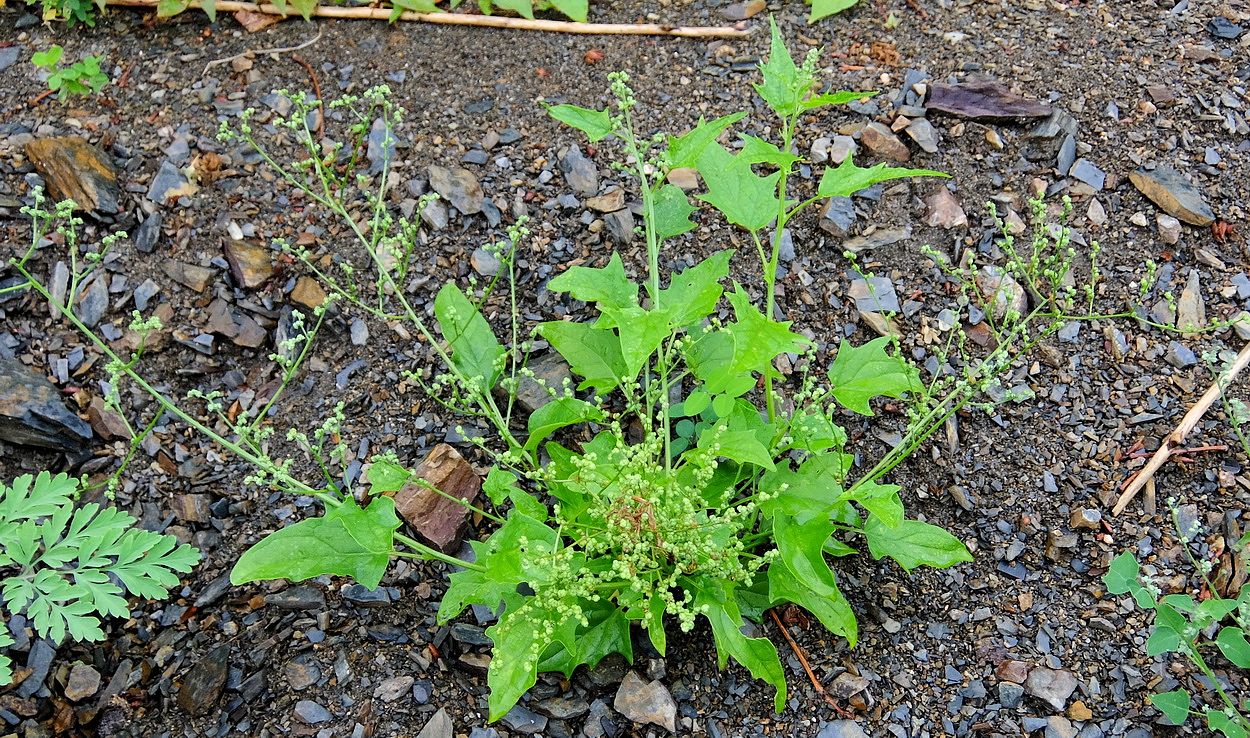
321 104
463 19
1175 441
249 52
820 688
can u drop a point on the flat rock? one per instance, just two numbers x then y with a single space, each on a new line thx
394 688
1169 228
841 729
250 263
1002 292
1052 686
76 170
924 134
1086 171
551 371
1167 188
874 294
945 210
170 184
106 422
984 101
440 725
148 233
877 239
579 171
646 702
1191 309
613 199
202 686
438 521
308 293
191 276
523 720
457 186
837 217
83 681
32 412
93 300
312 713
620 226
881 141
380 148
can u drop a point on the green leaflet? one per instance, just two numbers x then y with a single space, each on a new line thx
593 353
386 476
348 540
826 8
641 333
1123 577
742 446
846 179
608 286
758 151
474 349
596 124
860 373
518 637
501 485
758 655
726 359
815 433
575 9
913 543
881 500
558 414
783 87
303 7
574 645
502 567
692 294
811 492
1233 644
745 198
1217 720
672 210
836 98
685 151
416 6
802 576
1174 704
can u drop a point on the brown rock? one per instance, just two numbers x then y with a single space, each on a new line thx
1168 189
458 186
1080 712
188 275
193 508
105 420
607 202
250 264
76 170
881 141
201 688
945 211
308 293
437 520
984 101
83 682
1013 671
687 178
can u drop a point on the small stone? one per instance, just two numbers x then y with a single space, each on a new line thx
1058 726
579 171
484 262
846 684
169 184
1085 171
877 239
613 199
83 682
881 141
76 170
874 294
882 326
837 217
820 150
1096 213
551 372
1052 686
620 225
842 729
1080 712
194 277
524 720
1012 671
1191 310
301 675
359 332
1179 355
842 147
312 713
250 264
148 233
945 211
440 725
1169 228
1085 518
437 520
191 508
380 148
564 707
983 101
394 688
93 301
202 686
458 186
32 412
646 702
1002 291
435 215
359 594
1167 188
994 140
1010 694
308 293
105 421
299 597
742 10
687 178
1221 27
924 134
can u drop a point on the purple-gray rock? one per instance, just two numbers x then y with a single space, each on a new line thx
457 186
579 171
646 702
32 412
983 101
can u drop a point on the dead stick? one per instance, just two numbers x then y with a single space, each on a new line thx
1174 442
40 97
321 105
259 52
820 688
462 19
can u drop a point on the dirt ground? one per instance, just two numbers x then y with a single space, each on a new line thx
937 648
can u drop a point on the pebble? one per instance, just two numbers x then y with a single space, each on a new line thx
308 293
1176 196
1191 311
194 277
877 239
204 681
394 688
301 675
359 332
620 225
83 682
93 301
1010 694
881 141
646 702
1052 686
148 233
457 186
841 729
169 183
1169 228
380 148
440 725
1179 355
435 215
579 171
1085 518
312 713
298 597
1085 171
613 199
484 262
924 134
837 217
983 101
1006 292
524 720
250 263
841 148
875 294
945 210
437 520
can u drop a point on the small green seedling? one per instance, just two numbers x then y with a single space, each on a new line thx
80 78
